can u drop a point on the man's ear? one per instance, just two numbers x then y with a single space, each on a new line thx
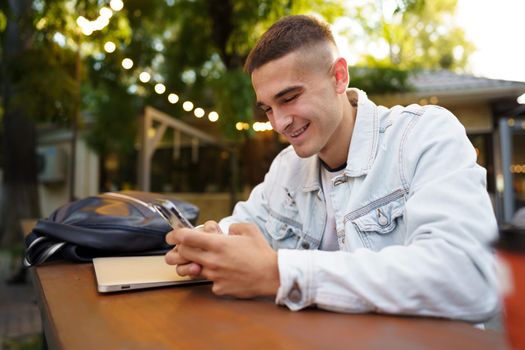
340 73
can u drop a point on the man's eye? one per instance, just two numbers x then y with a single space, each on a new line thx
288 99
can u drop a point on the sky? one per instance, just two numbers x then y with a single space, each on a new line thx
495 28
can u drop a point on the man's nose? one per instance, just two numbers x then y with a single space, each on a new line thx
281 121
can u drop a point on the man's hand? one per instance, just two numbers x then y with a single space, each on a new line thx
186 267
241 264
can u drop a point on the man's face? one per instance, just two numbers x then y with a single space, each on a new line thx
298 94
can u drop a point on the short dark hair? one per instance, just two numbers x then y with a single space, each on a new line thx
285 36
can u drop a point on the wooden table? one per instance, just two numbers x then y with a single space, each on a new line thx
77 317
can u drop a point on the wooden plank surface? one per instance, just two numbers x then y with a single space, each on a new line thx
76 316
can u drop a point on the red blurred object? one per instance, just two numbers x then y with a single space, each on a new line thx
511 250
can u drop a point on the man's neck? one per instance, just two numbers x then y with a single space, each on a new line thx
339 144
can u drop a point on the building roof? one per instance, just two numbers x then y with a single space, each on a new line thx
444 80
453 88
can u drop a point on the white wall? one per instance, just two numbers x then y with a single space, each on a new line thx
53 195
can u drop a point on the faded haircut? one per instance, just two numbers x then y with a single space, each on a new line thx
287 35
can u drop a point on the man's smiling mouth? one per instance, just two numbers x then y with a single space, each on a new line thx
298 132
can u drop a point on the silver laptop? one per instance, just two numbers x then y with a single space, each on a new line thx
116 274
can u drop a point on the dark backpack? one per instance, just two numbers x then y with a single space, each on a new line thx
109 224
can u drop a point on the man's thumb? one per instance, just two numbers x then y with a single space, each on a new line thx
244 229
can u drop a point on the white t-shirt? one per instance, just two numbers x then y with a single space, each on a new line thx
329 240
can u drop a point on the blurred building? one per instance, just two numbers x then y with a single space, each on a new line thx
493 119
191 167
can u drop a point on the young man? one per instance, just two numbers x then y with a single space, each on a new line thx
369 209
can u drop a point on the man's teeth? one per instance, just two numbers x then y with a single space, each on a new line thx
299 132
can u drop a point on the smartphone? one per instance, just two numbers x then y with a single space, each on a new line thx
171 214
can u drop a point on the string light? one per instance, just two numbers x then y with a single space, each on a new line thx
144 77
105 13
199 112
517 168
242 126
262 126
100 23
88 27
85 25
116 5
82 21
187 106
127 63
160 88
110 47
213 116
173 98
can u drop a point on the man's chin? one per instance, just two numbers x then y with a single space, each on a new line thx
303 152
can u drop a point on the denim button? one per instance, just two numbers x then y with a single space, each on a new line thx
295 294
383 220
305 245
340 181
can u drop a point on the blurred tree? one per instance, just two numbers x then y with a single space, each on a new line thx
380 79
40 76
19 167
404 36
414 34
196 48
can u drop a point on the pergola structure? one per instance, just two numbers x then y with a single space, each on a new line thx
154 124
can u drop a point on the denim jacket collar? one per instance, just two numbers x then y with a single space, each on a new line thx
312 181
363 146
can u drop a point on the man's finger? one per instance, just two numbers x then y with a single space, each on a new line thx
174 258
170 238
211 226
193 254
196 239
174 236
191 269
244 229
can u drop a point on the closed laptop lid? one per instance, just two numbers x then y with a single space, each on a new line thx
136 272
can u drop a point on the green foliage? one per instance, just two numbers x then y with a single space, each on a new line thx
45 75
417 33
197 49
235 97
378 80
3 21
113 120
30 342
45 85
109 109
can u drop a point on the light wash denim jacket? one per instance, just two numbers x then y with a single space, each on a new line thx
413 218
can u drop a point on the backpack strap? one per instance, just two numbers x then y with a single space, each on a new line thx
40 250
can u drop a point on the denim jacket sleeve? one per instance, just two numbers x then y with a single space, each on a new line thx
444 268
255 209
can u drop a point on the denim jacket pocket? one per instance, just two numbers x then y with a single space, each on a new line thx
282 234
381 220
